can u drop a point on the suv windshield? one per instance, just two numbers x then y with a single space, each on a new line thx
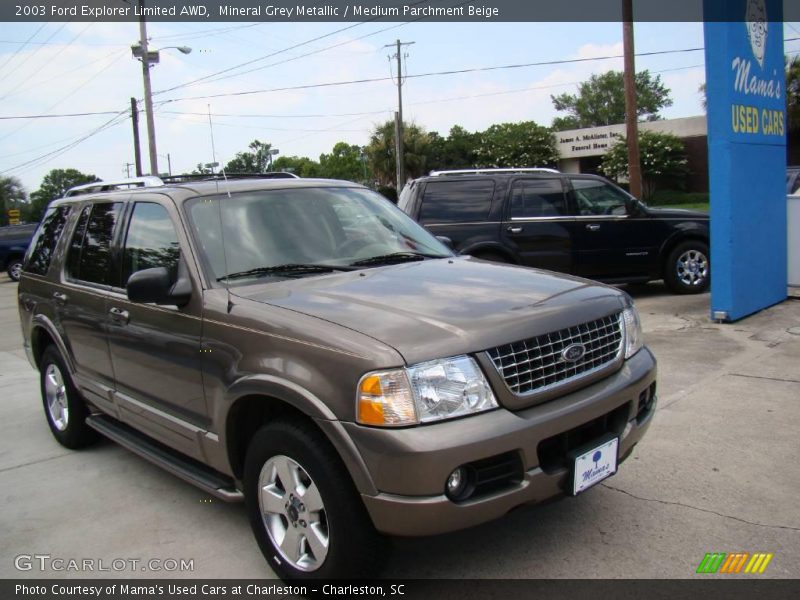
299 231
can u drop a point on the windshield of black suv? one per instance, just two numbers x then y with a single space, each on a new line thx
304 231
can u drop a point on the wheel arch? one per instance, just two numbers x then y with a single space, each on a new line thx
253 408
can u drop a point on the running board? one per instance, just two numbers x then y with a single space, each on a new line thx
188 469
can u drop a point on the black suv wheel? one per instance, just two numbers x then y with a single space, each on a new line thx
688 268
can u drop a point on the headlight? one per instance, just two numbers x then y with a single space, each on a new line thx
430 391
633 331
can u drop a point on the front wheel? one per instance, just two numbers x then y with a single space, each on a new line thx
688 268
306 514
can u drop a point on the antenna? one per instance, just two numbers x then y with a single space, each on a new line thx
219 207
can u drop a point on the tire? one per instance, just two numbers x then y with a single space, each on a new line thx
64 408
322 523
14 269
493 257
687 269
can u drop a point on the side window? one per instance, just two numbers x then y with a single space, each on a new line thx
532 198
151 241
456 201
44 241
595 197
90 251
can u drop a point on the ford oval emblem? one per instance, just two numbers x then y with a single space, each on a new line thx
573 353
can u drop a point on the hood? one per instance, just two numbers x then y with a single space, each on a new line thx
676 213
445 307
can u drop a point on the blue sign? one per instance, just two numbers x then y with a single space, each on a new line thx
747 155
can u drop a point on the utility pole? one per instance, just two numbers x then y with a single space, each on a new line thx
148 92
128 169
401 177
137 153
631 122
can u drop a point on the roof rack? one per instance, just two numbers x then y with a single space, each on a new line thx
216 176
110 186
493 170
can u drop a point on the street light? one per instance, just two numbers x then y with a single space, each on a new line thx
271 153
149 57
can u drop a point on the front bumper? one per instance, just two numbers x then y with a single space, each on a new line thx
410 466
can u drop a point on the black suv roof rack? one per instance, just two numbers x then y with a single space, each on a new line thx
491 170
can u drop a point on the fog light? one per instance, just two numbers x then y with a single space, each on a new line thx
456 483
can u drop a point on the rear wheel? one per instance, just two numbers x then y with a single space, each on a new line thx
14 269
64 408
688 268
306 514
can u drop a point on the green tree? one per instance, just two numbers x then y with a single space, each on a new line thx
523 144
381 152
456 151
663 158
12 196
301 166
255 160
54 185
601 101
345 161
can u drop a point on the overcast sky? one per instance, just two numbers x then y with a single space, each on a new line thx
87 67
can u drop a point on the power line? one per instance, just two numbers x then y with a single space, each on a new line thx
32 54
83 114
270 55
22 47
44 158
430 74
205 32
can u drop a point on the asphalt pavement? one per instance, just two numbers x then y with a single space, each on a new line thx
717 472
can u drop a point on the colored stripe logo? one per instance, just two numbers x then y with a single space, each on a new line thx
735 562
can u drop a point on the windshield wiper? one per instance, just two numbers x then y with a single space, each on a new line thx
394 257
288 269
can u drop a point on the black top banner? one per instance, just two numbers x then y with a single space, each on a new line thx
441 11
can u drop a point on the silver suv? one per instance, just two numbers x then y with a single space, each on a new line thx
306 347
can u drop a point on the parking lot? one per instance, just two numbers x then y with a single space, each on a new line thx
718 472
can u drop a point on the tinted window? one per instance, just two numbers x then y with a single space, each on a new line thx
532 198
74 253
151 241
456 201
595 197
95 250
44 241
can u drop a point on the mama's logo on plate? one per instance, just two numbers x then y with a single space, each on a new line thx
756 22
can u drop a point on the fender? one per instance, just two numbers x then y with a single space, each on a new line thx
41 321
688 229
308 404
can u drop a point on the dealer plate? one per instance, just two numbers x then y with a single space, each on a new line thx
595 465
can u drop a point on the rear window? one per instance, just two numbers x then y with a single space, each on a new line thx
456 201
43 244
89 257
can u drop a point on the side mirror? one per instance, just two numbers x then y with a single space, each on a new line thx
446 241
156 285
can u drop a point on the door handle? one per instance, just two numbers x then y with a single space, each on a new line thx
514 230
593 227
119 316
60 298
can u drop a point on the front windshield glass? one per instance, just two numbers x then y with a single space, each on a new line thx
333 227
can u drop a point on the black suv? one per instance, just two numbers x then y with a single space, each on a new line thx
579 224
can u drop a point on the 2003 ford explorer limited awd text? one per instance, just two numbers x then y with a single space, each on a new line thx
305 346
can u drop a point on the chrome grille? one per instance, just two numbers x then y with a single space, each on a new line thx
536 364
